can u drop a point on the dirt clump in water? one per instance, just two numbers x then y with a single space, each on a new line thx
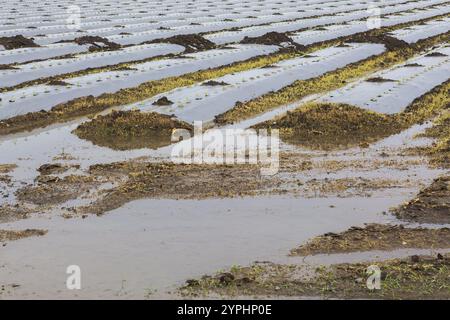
7 67
273 38
7 168
191 42
213 83
125 130
375 237
96 43
9 213
431 205
12 235
17 42
416 277
333 126
163 101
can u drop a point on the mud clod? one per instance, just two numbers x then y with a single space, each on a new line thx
17 42
431 205
379 80
96 43
192 42
213 83
12 235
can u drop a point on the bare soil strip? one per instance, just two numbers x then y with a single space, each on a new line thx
12 235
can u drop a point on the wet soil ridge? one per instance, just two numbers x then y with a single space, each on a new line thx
125 130
431 205
417 277
332 126
375 237
17 42
274 38
12 235
96 43
163 101
192 42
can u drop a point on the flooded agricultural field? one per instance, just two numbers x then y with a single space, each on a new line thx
192 149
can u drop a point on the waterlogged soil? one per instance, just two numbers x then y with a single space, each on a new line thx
176 181
375 237
417 277
333 126
12 235
125 130
431 205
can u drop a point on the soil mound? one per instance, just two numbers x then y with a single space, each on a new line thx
333 126
192 42
390 43
96 43
163 101
17 42
273 38
125 130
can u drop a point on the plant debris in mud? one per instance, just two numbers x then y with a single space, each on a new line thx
55 168
12 235
58 83
17 42
376 237
176 181
417 277
192 42
332 126
431 205
273 38
125 130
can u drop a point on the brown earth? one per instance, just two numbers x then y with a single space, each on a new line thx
273 38
375 237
